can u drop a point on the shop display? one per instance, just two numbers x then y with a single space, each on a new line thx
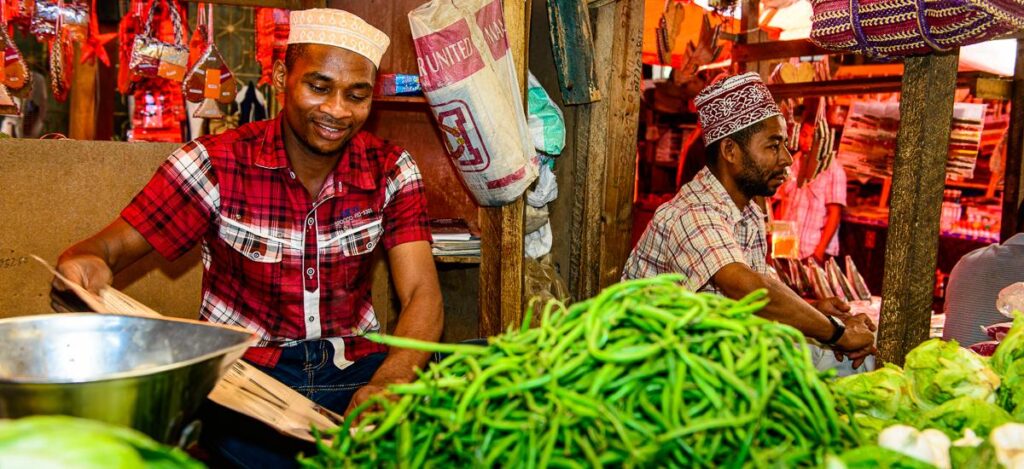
61 64
50 16
210 81
271 39
868 146
644 373
94 47
152 57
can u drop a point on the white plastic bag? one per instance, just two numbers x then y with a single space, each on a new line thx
469 79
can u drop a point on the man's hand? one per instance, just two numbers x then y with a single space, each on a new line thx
364 393
833 307
859 340
89 271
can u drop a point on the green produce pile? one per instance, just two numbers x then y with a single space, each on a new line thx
646 373
72 443
944 386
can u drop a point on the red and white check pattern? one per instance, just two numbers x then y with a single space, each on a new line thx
807 206
697 233
276 261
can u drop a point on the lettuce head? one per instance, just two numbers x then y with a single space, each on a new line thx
941 371
956 415
882 394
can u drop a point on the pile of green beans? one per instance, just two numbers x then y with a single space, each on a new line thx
644 374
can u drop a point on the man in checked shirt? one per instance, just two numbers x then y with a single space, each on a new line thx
288 211
713 231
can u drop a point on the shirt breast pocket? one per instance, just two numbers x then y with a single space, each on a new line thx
251 242
359 237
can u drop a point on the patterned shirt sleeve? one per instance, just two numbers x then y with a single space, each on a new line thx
836 189
176 207
706 244
405 204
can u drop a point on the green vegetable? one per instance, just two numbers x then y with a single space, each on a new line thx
1007 362
875 457
882 394
940 371
646 373
956 415
72 443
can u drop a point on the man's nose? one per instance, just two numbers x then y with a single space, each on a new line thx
336 106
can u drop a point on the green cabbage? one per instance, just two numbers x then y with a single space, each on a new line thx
882 394
1007 362
71 443
941 371
875 457
956 415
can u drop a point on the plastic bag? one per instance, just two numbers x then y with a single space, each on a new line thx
547 125
542 283
1011 299
469 79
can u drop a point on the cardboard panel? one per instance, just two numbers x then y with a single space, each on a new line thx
56 192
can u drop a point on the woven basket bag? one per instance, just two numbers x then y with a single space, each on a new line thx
885 29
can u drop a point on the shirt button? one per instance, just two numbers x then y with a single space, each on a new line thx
309 221
291 174
255 255
369 245
311 318
310 272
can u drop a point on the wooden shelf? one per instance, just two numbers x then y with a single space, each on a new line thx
457 259
401 99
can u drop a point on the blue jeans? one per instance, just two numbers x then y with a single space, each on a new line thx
238 440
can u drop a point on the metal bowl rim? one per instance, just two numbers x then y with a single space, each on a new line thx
123 374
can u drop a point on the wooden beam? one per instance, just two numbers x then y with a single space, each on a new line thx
606 152
286 4
919 176
84 92
1013 176
775 50
573 47
501 247
866 85
623 96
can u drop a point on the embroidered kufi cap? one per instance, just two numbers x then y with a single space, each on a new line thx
733 104
338 28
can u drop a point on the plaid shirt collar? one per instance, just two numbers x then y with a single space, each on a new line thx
360 173
709 184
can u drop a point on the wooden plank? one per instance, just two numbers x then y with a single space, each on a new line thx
573 47
1013 178
775 50
623 96
919 174
501 250
84 91
854 86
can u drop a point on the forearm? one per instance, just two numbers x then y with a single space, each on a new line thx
832 218
784 305
118 245
421 319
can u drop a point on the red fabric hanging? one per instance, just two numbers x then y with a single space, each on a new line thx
271 39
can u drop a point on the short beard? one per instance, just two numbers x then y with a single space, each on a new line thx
753 180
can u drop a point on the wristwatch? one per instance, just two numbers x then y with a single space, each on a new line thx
838 330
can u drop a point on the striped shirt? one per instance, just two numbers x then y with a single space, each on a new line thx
974 285
808 206
697 233
285 265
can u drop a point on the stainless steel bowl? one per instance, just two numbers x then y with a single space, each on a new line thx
146 373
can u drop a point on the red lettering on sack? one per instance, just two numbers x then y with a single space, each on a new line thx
507 180
491 21
447 56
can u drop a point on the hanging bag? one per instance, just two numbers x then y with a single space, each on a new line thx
154 58
210 81
885 29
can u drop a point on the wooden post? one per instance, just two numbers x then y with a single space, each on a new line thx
501 247
919 175
84 93
605 161
1013 175
573 46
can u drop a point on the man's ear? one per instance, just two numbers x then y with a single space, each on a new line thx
730 151
278 76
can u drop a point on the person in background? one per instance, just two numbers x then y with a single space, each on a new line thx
974 285
713 231
817 207
288 212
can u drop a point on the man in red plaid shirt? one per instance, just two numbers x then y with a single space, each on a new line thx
713 231
288 212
